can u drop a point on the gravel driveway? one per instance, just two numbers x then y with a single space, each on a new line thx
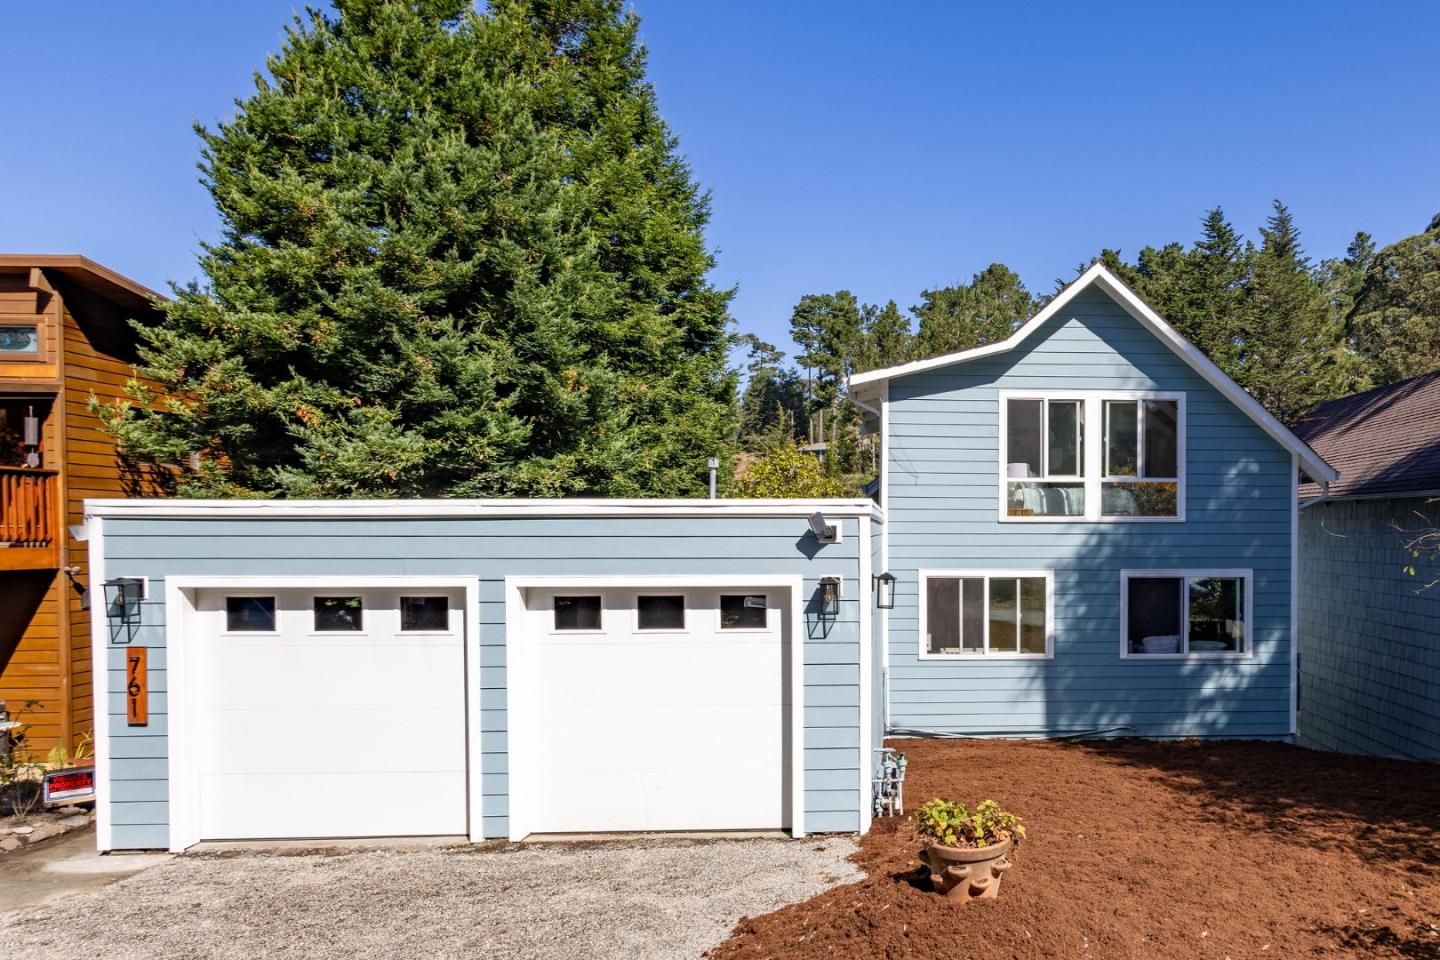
640 898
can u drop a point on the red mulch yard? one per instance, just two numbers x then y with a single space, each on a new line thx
1147 850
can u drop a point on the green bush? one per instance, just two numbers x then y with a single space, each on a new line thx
955 825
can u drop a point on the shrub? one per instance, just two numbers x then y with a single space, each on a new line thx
955 825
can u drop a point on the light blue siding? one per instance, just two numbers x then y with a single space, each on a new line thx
942 512
492 549
1369 631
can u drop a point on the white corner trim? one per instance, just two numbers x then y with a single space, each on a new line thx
867 649
1315 466
100 683
1295 596
924 575
391 509
518 681
179 624
1185 575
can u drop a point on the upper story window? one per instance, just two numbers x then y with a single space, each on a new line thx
19 338
1051 468
1142 458
1045 456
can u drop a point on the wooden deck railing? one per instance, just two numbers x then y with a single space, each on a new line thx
27 507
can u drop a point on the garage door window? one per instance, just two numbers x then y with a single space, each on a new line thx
339 614
660 612
577 613
250 614
424 614
742 612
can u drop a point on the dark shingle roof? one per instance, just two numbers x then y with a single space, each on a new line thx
1383 441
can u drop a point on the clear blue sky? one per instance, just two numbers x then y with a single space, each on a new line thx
847 144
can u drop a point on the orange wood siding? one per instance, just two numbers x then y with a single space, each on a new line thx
92 470
20 304
30 651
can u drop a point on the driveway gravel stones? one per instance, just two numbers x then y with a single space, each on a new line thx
651 898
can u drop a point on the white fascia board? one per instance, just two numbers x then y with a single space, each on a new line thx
391 509
1314 466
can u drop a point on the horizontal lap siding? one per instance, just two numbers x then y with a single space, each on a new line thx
493 549
1369 631
942 512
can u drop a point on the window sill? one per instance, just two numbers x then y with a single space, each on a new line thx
984 657
1142 657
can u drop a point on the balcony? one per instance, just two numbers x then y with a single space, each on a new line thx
28 519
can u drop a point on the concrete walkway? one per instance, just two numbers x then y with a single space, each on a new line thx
55 869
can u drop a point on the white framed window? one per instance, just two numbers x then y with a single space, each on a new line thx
1169 614
339 614
987 614
744 611
1129 467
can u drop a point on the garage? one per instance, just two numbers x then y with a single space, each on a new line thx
652 707
333 710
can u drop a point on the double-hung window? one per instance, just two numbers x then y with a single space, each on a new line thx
1129 466
985 613
1198 613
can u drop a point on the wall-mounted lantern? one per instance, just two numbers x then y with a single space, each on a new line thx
122 602
829 596
884 590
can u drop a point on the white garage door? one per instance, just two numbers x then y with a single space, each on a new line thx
657 710
328 713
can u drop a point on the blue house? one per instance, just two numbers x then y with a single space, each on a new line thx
1086 528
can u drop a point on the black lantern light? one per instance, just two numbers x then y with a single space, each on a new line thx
884 590
122 599
829 596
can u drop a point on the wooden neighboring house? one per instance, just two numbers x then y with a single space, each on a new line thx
64 337
1369 626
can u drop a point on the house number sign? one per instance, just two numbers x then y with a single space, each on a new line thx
137 692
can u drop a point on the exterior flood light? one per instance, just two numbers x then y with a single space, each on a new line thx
829 596
884 585
824 532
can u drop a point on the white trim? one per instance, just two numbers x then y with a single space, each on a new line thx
1315 466
1294 596
390 509
179 619
1093 402
867 673
100 682
987 574
1185 576
885 546
520 751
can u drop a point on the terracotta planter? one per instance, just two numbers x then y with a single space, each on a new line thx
964 873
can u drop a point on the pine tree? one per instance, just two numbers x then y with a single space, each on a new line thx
827 327
887 339
1288 345
1395 320
461 256
985 310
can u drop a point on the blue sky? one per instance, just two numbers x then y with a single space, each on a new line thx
847 144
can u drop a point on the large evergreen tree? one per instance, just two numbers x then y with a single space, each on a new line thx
1395 316
966 315
460 256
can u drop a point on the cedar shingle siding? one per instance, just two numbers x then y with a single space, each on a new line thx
1369 635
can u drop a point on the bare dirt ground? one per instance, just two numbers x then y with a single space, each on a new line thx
1147 850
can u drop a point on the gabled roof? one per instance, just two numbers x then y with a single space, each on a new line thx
89 275
1314 466
1385 441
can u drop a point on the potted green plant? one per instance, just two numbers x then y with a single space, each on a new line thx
969 850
